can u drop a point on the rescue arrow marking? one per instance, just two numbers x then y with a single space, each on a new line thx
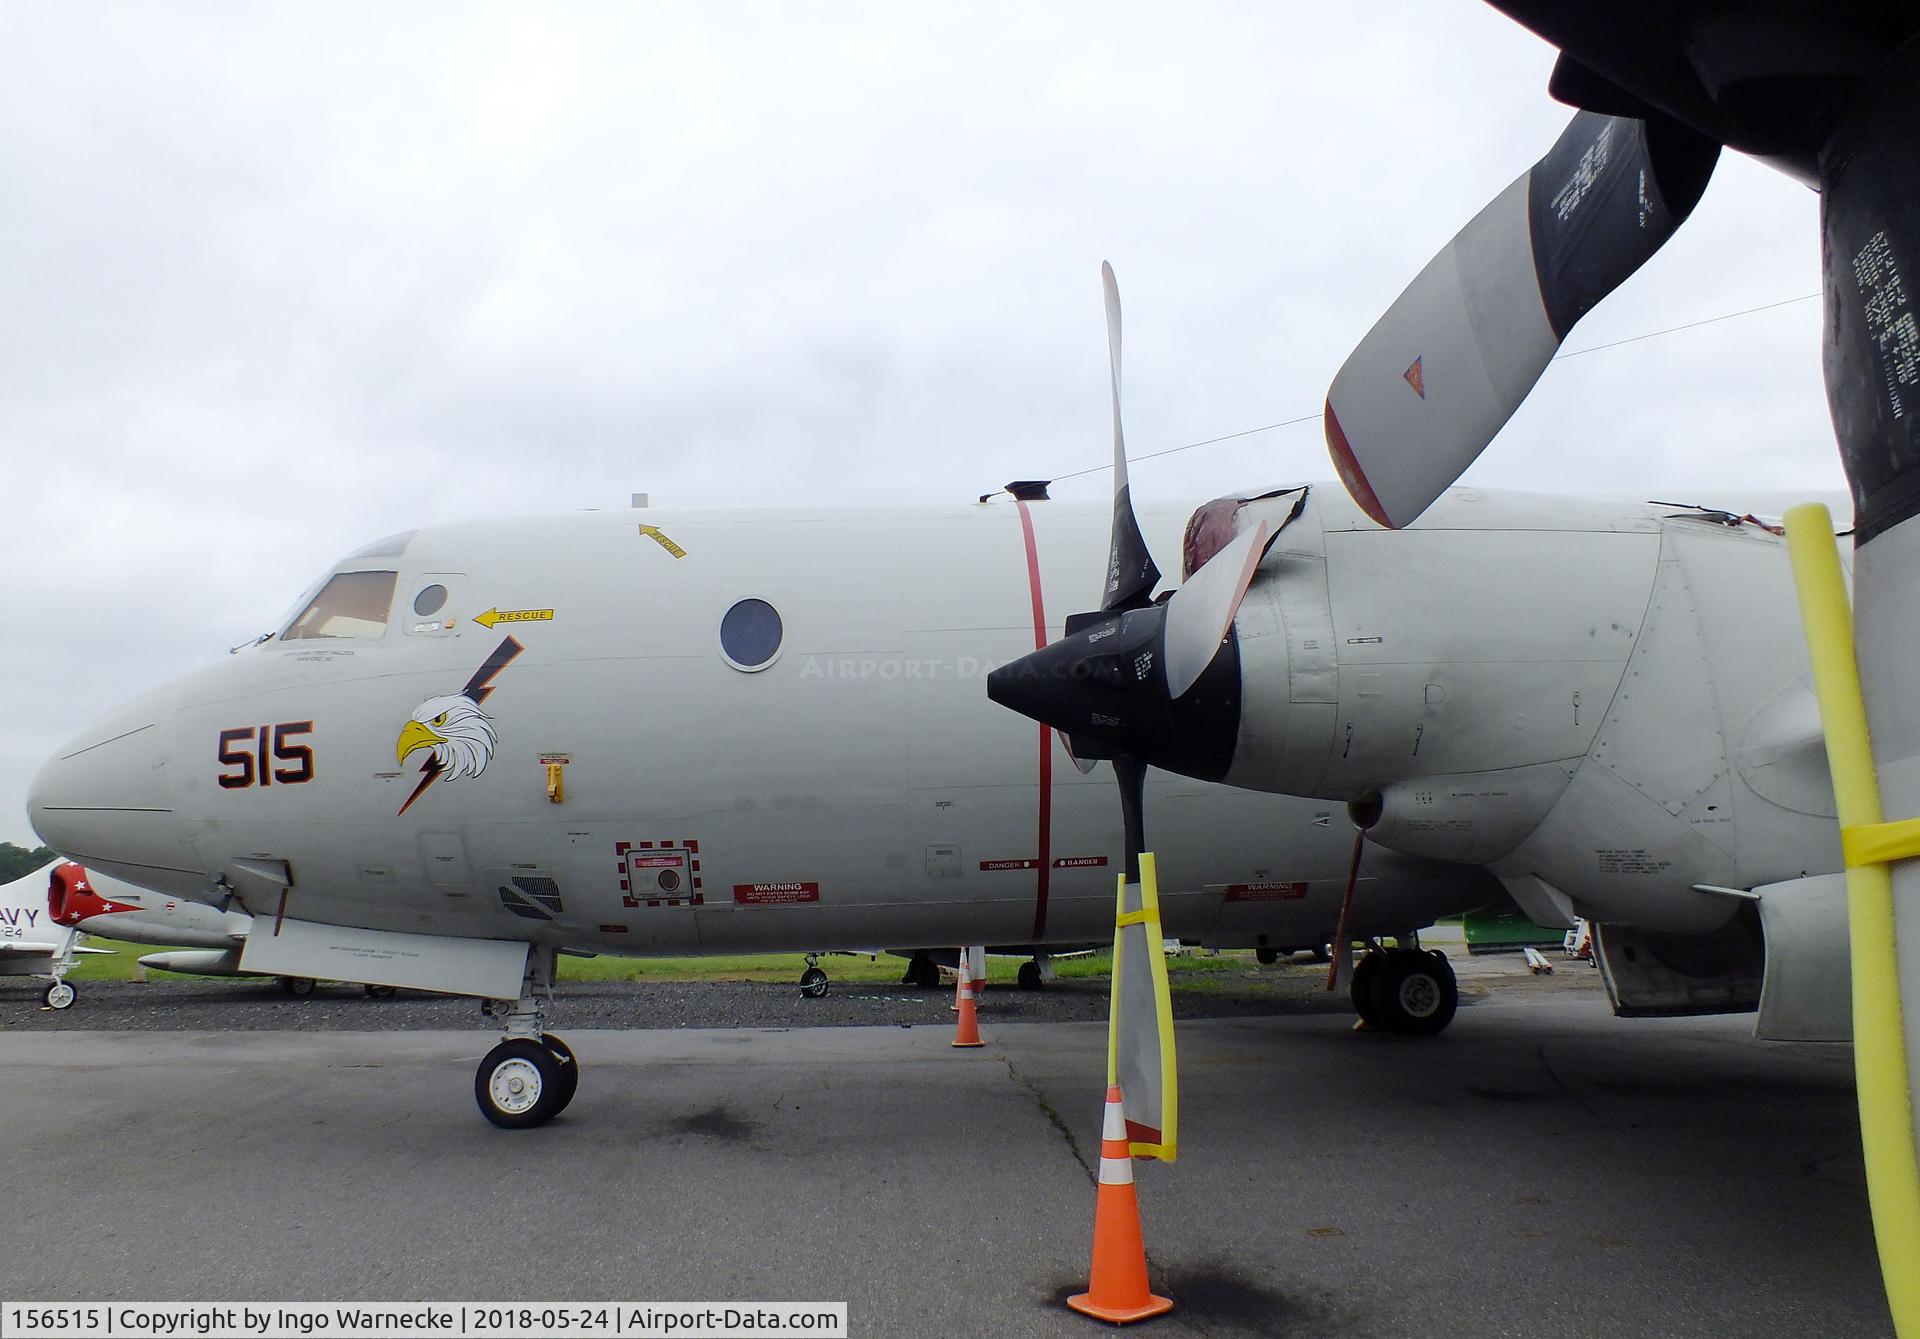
652 532
493 616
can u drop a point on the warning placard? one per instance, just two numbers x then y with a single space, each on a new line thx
1009 864
1266 892
1081 862
774 894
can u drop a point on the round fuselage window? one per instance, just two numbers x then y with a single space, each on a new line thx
750 635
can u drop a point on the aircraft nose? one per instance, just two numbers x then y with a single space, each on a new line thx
106 798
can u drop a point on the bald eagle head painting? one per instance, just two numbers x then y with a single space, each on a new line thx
456 734
459 733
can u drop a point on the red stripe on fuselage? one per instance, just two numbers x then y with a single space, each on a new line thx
1046 732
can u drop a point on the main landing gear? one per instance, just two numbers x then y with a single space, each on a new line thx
529 1078
813 981
1410 991
922 971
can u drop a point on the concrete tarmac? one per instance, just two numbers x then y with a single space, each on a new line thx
1543 1169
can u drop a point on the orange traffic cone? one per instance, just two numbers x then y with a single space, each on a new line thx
1118 1291
967 1031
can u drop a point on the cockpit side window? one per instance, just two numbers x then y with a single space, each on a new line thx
351 604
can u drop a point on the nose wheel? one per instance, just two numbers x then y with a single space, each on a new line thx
59 995
524 1082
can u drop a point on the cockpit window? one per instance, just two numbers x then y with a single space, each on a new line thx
351 604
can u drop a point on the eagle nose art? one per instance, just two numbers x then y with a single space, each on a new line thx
106 795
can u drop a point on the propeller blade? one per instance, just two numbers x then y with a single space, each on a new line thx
1201 612
1131 574
1441 372
1132 776
1086 765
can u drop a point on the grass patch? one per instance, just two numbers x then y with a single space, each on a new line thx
122 964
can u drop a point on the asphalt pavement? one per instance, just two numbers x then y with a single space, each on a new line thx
1540 1170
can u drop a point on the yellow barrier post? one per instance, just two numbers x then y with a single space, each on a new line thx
1869 845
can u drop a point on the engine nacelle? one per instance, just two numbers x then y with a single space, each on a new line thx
1610 699
1473 818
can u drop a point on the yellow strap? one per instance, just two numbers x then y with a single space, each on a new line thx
1879 1037
1880 843
1140 917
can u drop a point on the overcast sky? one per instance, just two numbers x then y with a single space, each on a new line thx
278 280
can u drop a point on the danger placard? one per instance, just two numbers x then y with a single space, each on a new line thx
1081 862
656 861
774 894
1266 892
1009 864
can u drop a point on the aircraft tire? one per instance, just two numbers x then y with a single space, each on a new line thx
298 987
1360 988
519 1084
1414 993
925 973
379 992
1029 977
58 995
813 983
1266 957
569 1078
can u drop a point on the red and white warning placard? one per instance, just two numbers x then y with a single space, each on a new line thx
774 894
1266 892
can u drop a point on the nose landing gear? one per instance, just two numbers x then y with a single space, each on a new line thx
531 1076
58 994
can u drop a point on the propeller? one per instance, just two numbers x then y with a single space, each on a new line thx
1139 681
1443 370
1829 93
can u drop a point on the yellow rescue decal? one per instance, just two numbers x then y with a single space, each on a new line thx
652 532
493 616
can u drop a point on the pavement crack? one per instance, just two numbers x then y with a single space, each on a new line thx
1053 1117
1561 1083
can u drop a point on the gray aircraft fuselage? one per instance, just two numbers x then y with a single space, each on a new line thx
532 730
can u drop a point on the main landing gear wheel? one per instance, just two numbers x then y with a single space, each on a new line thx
923 972
1413 992
299 987
813 981
1029 977
520 1084
1266 957
377 992
1360 988
59 995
